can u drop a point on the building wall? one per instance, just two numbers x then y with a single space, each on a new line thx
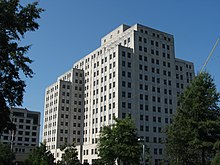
26 136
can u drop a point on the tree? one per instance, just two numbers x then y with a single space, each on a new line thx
6 155
40 156
70 156
216 159
119 142
15 21
196 126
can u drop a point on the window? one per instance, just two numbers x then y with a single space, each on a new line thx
141 86
129 65
141 96
146 118
141 117
141 128
123 94
140 57
140 48
140 76
129 95
140 67
145 68
129 85
129 74
129 105
152 51
123 104
152 42
152 60
123 63
140 39
129 55
123 53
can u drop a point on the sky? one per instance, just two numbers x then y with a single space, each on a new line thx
71 29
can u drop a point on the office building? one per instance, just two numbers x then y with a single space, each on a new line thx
134 72
26 136
63 113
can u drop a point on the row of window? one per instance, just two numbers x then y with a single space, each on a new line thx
27 127
154 109
153 43
65 139
86 61
156 35
49 132
26 139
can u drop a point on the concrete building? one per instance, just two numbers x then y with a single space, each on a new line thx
63 112
135 72
26 136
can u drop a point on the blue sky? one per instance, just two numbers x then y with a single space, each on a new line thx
70 29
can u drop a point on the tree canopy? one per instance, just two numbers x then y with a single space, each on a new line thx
15 21
40 156
6 155
70 156
196 126
119 142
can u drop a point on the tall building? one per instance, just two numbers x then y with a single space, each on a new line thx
135 72
26 136
63 112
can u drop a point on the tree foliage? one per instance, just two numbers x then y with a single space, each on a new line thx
216 159
40 156
6 155
70 156
15 21
119 142
196 126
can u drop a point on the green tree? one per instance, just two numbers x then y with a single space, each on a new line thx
70 156
6 155
40 156
216 159
15 21
119 142
196 126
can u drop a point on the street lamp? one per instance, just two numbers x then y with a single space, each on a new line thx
11 145
143 150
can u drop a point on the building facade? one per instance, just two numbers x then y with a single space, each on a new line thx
63 112
134 72
26 136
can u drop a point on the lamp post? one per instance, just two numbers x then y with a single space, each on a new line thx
143 150
143 153
11 146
